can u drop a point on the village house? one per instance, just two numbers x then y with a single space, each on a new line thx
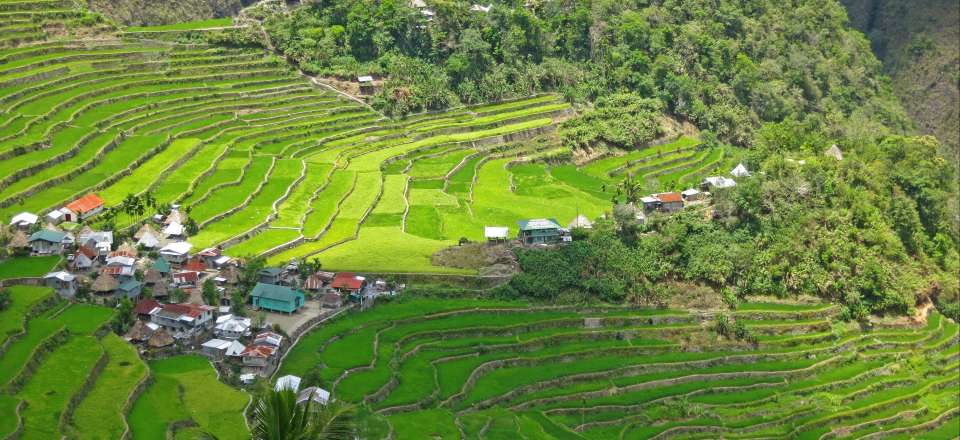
195 264
24 221
186 318
717 182
62 282
692 195
215 349
176 253
54 217
83 259
331 300
100 241
82 208
209 256
268 338
145 308
270 275
104 285
186 279
539 231
669 202
346 283
496 234
318 281
121 273
130 289
174 232
232 327
276 298
46 242
258 358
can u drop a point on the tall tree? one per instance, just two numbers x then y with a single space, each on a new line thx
277 416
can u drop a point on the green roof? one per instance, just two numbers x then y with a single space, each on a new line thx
161 265
129 285
48 235
275 292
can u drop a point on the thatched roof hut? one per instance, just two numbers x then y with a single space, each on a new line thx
139 332
152 276
160 290
160 339
104 284
126 248
230 274
147 227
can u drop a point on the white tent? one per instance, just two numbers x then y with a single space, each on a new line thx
740 171
834 152
289 382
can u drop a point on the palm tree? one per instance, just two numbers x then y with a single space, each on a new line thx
277 416
630 189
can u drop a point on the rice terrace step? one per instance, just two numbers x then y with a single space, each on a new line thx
425 219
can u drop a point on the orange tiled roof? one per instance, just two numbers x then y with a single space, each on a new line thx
86 203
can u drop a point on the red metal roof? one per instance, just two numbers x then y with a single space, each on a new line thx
85 250
670 197
86 203
191 310
210 252
145 306
196 265
346 280
186 276
260 351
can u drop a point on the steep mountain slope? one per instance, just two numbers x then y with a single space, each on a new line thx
919 44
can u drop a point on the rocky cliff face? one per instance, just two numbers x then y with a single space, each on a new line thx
919 44
156 12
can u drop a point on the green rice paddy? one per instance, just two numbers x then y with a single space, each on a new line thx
454 369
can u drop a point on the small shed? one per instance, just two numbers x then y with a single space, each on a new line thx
670 202
24 220
366 84
313 394
64 283
161 338
496 234
104 284
740 171
288 382
691 195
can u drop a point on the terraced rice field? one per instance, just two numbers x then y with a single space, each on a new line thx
268 163
59 366
470 369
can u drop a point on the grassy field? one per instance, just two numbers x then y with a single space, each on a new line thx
443 369
23 267
186 388
100 413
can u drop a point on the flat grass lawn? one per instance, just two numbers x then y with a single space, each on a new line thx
20 267
23 299
59 377
186 387
439 166
100 413
428 424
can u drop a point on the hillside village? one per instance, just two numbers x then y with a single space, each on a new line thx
233 309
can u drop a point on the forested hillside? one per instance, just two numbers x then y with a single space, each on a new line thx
919 44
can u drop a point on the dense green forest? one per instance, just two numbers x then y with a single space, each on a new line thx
876 231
